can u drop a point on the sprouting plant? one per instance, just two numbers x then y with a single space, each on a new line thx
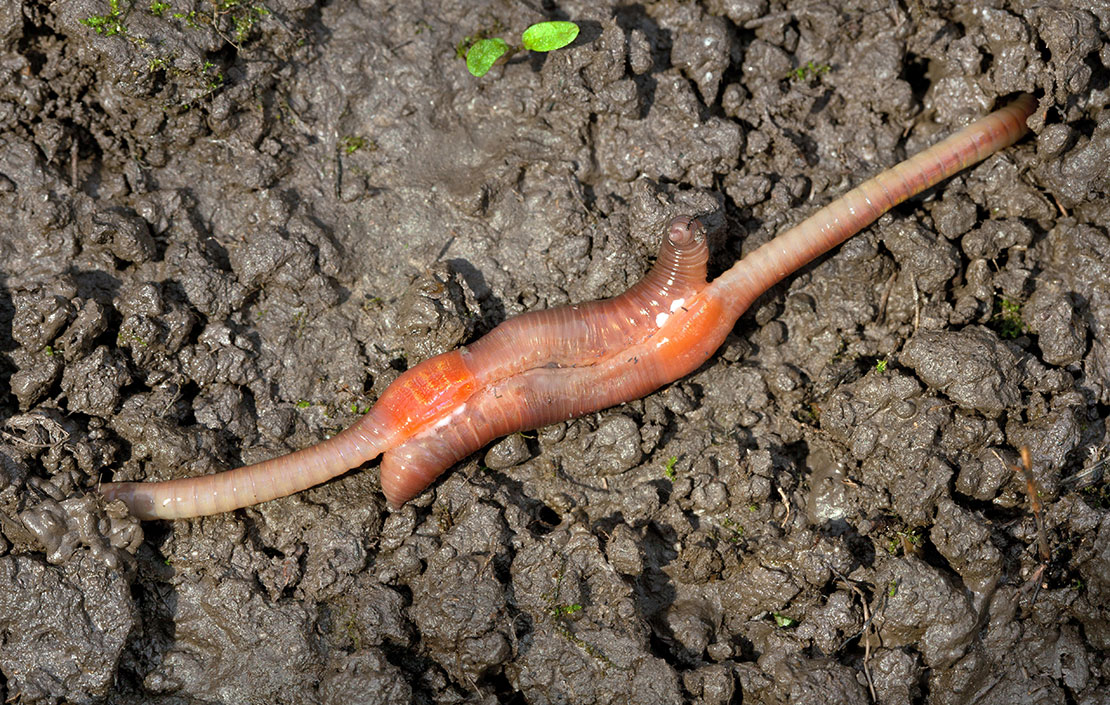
809 415
353 143
908 540
357 408
809 70
1006 318
303 404
157 7
191 18
351 627
558 611
129 338
482 53
880 366
668 469
736 531
243 25
784 622
560 614
1097 495
109 24
243 17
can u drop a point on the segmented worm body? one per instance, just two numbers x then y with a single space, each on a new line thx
551 365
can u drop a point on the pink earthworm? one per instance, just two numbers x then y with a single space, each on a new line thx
547 366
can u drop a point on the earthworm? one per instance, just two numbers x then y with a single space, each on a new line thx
547 366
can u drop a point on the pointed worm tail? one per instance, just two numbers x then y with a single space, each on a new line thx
855 210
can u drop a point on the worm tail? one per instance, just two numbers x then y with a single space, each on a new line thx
863 205
270 479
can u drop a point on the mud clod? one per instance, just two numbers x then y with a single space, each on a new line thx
92 385
917 604
972 368
63 627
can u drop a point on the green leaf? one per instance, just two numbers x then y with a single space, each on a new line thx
482 55
548 36
783 621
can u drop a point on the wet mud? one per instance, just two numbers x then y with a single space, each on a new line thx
227 226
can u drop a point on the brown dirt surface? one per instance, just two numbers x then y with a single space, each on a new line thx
227 225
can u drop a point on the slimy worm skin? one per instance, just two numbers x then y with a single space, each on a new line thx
547 366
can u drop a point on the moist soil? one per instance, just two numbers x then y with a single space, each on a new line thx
228 226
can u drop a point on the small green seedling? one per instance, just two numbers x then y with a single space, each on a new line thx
353 143
562 611
736 532
784 622
668 469
1007 318
907 539
809 70
190 18
543 37
109 24
880 366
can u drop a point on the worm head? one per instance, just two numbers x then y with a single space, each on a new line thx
685 230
